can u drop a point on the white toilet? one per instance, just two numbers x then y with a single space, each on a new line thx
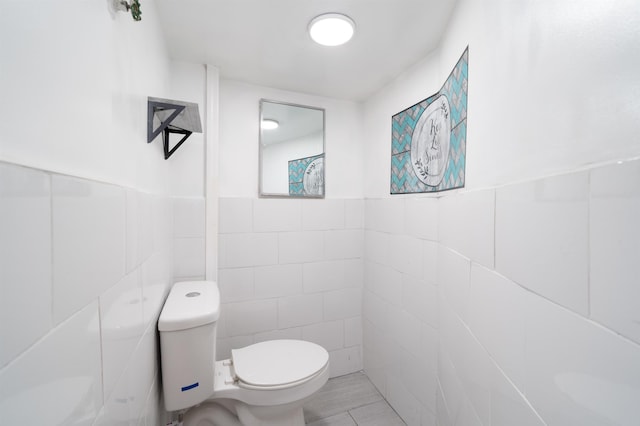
262 384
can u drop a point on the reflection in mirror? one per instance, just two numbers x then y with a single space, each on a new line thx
291 150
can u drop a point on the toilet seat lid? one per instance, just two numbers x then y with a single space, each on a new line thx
278 362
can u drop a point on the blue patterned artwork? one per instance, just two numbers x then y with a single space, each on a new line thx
306 176
429 139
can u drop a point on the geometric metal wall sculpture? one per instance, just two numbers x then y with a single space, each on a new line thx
171 117
429 139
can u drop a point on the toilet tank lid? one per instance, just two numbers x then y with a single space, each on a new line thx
190 304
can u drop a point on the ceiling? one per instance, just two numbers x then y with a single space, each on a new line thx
265 42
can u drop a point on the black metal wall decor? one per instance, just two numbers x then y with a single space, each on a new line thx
171 117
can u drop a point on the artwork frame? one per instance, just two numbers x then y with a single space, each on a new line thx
428 141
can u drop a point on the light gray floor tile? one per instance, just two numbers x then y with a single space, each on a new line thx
377 414
340 395
343 419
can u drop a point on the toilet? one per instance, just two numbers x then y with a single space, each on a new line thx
265 384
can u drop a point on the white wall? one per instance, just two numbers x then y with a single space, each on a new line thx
290 268
239 136
87 226
188 83
529 268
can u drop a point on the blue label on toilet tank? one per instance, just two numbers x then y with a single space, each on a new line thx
186 388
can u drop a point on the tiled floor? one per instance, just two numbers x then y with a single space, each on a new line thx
350 401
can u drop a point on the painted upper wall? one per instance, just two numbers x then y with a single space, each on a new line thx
74 82
553 86
239 139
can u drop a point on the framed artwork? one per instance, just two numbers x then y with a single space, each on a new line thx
429 139
306 176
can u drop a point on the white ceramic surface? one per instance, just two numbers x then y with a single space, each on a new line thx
60 375
328 334
299 247
421 218
121 326
278 280
250 317
615 248
189 257
188 217
354 214
235 215
88 258
353 331
25 259
578 372
420 299
344 303
542 237
324 276
299 310
377 246
384 281
497 318
273 215
132 231
236 285
466 224
243 250
405 255
323 214
508 404
453 280
344 244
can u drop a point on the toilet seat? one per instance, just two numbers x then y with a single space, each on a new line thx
278 364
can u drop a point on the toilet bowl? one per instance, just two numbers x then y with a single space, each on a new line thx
266 383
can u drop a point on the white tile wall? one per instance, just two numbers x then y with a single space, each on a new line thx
400 304
279 280
615 248
545 335
494 299
57 380
542 237
304 309
255 316
300 247
323 214
235 215
189 238
85 268
121 326
465 224
88 242
25 259
293 269
578 372
354 214
273 215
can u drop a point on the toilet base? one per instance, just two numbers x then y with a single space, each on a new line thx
227 412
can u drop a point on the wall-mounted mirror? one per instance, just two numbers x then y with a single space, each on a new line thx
291 150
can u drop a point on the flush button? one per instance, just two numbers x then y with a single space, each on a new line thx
193 294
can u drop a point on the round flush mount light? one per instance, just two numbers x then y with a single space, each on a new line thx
268 124
331 29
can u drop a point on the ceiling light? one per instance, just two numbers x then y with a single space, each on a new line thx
331 29
268 124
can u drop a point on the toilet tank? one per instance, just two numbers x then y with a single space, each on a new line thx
187 327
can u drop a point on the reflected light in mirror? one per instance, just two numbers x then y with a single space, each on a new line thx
268 124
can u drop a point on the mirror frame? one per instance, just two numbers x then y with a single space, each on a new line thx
263 194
